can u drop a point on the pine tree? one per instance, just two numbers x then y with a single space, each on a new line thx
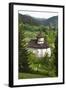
23 54
56 55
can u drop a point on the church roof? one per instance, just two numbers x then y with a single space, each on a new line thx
33 44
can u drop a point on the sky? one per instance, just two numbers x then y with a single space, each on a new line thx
45 15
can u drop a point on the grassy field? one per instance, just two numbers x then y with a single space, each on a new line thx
29 75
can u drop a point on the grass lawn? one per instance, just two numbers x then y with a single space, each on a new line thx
29 75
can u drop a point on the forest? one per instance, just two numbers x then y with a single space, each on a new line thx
29 65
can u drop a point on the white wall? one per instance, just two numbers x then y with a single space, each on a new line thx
42 52
4 45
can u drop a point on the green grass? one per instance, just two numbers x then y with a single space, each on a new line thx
29 75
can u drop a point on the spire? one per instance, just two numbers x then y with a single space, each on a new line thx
40 38
40 34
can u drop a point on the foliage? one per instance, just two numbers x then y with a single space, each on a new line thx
23 54
56 55
28 61
44 65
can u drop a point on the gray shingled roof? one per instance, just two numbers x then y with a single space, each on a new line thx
33 44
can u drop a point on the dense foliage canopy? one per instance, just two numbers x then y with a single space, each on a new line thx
28 62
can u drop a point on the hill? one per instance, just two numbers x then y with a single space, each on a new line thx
53 21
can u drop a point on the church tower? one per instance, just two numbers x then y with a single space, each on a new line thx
40 38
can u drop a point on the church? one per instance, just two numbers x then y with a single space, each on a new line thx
39 46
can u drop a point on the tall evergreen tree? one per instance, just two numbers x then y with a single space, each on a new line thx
23 54
56 55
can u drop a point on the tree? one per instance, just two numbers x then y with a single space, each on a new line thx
54 59
56 54
23 54
33 61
